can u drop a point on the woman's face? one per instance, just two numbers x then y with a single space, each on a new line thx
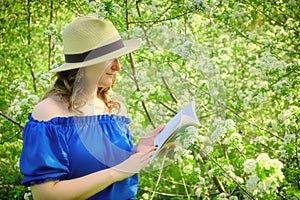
102 74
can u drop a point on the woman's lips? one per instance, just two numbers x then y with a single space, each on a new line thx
110 75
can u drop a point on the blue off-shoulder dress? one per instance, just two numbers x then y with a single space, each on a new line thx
65 148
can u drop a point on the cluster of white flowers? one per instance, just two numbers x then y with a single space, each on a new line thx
268 62
22 101
230 175
43 79
202 190
287 148
146 196
261 139
201 4
116 8
183 50
194 4
188 169
281 85
224 131
27 196
142 96
272 123
218 134
153 7
52 30
247 97
165 38
288 138
253 96
162 37
225 196
290 117
96 8
250 166
265 174
181 153
17 164
55 36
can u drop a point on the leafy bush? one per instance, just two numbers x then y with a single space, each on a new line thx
238 60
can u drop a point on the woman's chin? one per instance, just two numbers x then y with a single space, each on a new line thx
105 85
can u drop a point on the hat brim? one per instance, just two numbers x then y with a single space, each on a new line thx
129 46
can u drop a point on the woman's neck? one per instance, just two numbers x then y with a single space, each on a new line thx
94 106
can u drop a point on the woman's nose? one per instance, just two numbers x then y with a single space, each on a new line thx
116 66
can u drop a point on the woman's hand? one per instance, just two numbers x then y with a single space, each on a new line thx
133 164
147 141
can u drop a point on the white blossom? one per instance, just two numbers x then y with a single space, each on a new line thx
27 196
47 32
52 26
288 138
249 166
201 180
24 102
233 198
198 192
188 169
145 196
263 160
251 184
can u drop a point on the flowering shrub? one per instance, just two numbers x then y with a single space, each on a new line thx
239 61
264 175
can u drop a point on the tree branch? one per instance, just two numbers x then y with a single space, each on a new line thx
50 45
162 14
133 70
239 185
169 90
159 20
168 107
216 181
8 139
29 43
158 179
239 116
12 120
168 195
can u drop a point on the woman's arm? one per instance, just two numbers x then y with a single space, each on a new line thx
86 186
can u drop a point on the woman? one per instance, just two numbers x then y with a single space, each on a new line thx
76 144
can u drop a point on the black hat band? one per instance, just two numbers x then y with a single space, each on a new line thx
95 53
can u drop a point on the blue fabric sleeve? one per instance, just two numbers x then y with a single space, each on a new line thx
44 154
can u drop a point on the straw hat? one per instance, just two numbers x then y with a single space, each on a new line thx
89 40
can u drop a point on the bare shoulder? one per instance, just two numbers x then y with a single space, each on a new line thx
48 108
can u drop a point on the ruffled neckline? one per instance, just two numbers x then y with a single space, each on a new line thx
103 118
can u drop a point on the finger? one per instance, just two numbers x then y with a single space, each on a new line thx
157 131
160 128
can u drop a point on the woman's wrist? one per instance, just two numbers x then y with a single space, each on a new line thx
118 175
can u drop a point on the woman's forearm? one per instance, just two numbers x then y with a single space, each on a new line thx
78 188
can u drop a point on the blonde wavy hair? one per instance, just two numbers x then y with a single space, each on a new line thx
70 86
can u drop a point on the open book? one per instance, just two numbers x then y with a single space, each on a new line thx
184 118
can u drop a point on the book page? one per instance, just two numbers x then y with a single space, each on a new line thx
184 118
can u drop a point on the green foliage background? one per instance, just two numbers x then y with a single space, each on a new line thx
238 60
